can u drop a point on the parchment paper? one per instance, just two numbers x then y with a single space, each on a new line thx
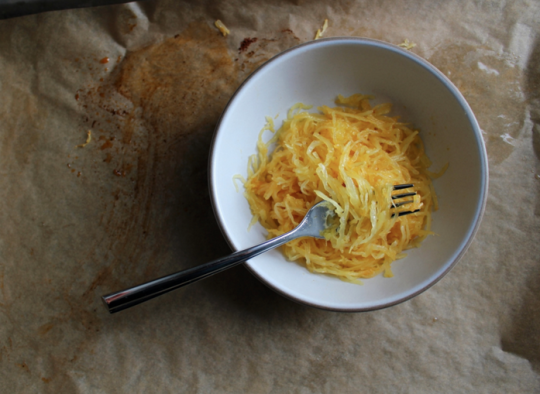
150 80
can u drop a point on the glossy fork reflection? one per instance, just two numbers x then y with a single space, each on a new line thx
311 226
314 223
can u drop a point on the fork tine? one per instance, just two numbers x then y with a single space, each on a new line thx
399 204
405 213
403 186
402 195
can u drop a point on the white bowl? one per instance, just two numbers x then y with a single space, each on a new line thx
315 73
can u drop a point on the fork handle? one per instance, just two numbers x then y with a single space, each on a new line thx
127 298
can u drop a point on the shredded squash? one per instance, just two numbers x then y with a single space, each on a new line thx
222 28
88 139
350 156
407 44
322 30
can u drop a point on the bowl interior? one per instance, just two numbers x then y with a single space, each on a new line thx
315 73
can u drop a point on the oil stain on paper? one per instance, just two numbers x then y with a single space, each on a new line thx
475 71
152 119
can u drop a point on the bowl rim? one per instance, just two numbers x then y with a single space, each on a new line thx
484 166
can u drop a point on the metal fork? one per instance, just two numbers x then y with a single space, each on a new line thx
314 223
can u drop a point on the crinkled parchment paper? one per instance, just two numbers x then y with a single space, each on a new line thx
149 80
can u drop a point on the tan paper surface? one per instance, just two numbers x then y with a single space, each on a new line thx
149 80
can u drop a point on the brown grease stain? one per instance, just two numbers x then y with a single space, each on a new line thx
171 81
44 329
24 367
160 106
504 113
107 144
157 99
262 49
246 42
119 172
